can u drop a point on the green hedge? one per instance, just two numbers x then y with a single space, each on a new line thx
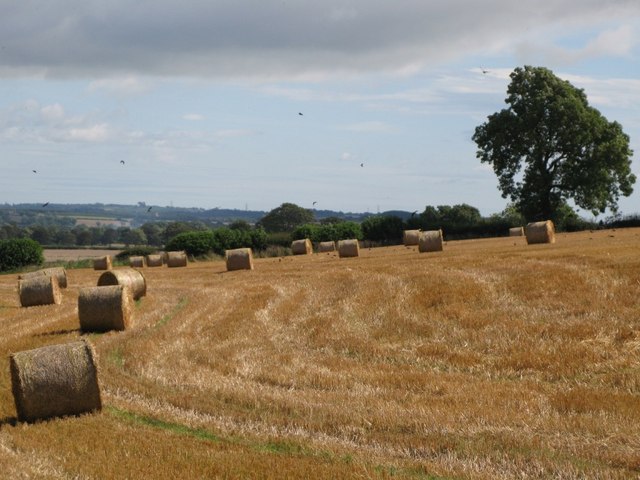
20 252
217 241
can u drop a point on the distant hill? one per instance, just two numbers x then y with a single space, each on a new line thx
96 214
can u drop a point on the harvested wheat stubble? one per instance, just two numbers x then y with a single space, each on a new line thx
102 263
101 309
59 272
40 290
239 259
128 277
301 247
176 259
540 232
516 232
136 261
411 237
326 247
55 380
348 248
154 260
430 241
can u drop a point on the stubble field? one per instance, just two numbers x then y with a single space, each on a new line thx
492 359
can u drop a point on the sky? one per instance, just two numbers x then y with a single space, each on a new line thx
357 105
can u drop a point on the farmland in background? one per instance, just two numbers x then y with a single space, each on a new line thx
491 359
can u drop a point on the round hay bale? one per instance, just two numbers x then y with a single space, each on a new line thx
430 241
540 232
301 247
324 247
239 259
348 248
411 237
102 263
516 232
154 260
59 272
101 309
128 277
136 261
55 380
176 259
39 290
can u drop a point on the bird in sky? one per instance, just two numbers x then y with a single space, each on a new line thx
414 213
314 203
45 204
34 171
122 162
300 113
362 164
149 209
484 71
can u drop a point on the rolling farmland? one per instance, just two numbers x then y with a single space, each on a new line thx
491 359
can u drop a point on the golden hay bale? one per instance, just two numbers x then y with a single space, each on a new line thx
348 248
301 247
411 237
55 380
430 241
128 277
59 272
239 259
104 308
326 247
516 232
176 259
154 260
39 290
102 263
540 232
136 261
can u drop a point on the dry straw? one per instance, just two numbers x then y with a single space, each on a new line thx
154 260
102 263
176 259
136 261
55 380
430 241
101 309
301 247
516 232
540 232
411 237
326 247
39 290
239 259
128 277
348 248
59 272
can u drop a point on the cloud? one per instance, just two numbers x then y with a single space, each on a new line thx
117 42
120 86
193 117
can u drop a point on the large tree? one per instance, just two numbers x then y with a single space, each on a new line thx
549 146
286 218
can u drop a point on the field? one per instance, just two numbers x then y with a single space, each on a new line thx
492 359
73 254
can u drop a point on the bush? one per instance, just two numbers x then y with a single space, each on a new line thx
194 243
20 252
383 228
217 241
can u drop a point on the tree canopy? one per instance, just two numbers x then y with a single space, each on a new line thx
550 146
286 218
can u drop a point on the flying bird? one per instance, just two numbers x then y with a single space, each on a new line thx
484 72
45 204
300 113
34 171
122 162
362 164
414 212
149 209
314 203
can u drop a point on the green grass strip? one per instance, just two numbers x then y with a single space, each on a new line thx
179 306
272 447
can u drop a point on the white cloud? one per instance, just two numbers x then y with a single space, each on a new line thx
120 86
193 117
94 133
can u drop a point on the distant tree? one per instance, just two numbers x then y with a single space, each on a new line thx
153 232
549 146
40 234
109 236
383 228
134 236
459 215
240 225
286 218
19 252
